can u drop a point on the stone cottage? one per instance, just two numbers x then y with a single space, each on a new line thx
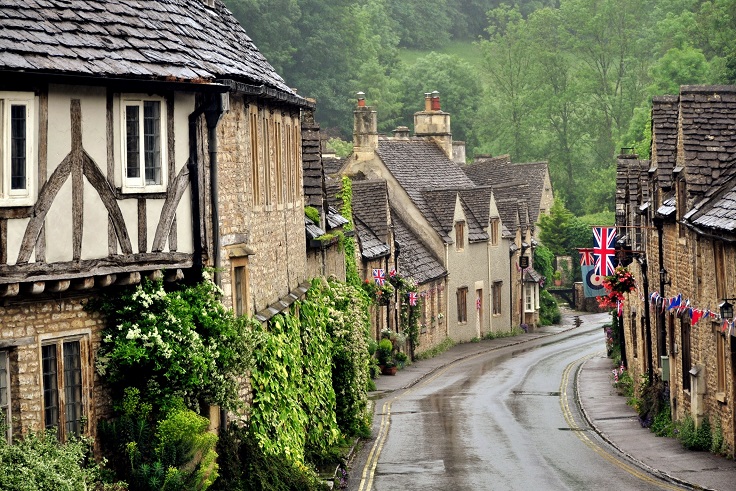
680 209
435 201
139 140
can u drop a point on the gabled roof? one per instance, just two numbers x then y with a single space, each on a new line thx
477 203
420 165
332 166
415 260
511 204
170 40
500 171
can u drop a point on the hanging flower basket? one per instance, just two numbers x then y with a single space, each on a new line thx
618 284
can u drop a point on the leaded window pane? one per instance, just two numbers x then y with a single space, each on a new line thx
152 141
50 386
18 147
72 388
132 141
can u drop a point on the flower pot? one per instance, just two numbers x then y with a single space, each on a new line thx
388 370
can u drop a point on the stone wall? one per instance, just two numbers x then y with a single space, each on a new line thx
28 324
271 221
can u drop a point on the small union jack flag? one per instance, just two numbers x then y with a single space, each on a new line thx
413 298
392 273
477 303
586 257
604 249
379 277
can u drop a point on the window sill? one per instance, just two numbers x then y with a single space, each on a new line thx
14 210
721 397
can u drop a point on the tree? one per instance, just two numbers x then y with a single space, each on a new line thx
554 228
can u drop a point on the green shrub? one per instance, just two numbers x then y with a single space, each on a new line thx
549 311
503 334
663 424
718 444
694 438
173 454
38 462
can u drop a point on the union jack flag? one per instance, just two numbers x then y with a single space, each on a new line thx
604 249
586 257
413 298
477 303
392 273
379 277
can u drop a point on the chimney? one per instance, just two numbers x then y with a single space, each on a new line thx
458 152
401 133
433 123
365 129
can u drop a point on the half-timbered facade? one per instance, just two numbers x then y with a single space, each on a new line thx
138 139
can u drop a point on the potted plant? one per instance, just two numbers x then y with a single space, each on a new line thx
385 356
401 358
557 278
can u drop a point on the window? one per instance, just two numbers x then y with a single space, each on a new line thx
240 286
720 267
63 404
681 206
255 175
462 304
685 335
495 230
5 392
529 302
144 148
721 361
634 334
459 236
267 142
17 158
496 294
278 149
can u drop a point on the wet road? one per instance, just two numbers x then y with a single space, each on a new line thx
502 420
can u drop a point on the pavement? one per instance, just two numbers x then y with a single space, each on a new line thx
605 411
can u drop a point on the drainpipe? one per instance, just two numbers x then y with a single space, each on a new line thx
648 323
217 106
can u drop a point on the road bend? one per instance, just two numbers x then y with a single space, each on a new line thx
502 420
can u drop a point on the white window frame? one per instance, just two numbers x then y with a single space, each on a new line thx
26 196
138 184
529 301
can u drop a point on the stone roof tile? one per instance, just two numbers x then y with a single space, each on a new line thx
415 260
183 39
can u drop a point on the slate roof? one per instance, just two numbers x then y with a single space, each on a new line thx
172 40
717 210
664 137
488 171
415 260
332 166
334 219
420 165
708 119
477 203
511 204
370 212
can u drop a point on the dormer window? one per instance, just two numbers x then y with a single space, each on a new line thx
17 158
495 230
459 236
144 149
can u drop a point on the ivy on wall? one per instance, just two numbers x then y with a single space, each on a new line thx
351 263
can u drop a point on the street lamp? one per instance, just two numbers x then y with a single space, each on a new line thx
726 308
664 279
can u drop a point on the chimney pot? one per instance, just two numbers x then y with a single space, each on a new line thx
427 101
361 99
436 101
401 133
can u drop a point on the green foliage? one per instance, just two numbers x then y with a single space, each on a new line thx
549 311
174 453
384 352
38 462
341 147
351 262
543 261
312 213
503 334
694 438
246 467
555 229
718 443
176 345
446 344
663 424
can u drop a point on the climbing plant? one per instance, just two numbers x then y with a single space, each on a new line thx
351 265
